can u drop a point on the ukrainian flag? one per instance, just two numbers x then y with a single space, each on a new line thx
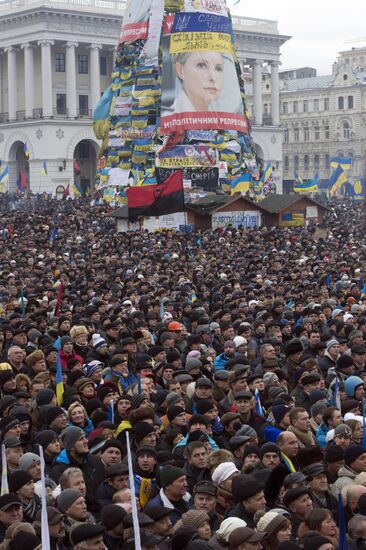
297 178
343 162
267 173
76 189
25 149
310 186
336 180
59 380
44 169
358 189
241 184
4 179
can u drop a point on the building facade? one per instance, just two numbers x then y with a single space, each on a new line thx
56 58
324 117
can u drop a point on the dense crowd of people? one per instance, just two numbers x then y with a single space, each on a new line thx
234 360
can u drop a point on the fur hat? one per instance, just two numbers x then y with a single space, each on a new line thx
77 330
32 359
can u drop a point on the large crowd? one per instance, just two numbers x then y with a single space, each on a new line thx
234 360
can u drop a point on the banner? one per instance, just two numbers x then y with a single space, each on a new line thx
200 86
206 6
293 219
135 21
207 178
182 156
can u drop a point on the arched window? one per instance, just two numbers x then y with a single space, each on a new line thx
316 162
306 162
327 160
346 130
296 162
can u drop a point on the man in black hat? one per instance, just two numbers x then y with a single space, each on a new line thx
249 497
203 390
162 526
87 536
56 527
298 503
173 493
293 351
10 512
205 498
116 478
245 538
245 405
112 519
318 484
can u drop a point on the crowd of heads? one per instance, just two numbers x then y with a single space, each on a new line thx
227 367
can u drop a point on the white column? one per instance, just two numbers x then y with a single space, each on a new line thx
46 77
257 93
12 83
94 75
1 82
28 79
71 102
275 94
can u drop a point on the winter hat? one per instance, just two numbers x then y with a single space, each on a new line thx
112 515
223 472
193 364
239 341
82 382
334 454
142 429
270 448
104 391
5 376
28 460
32 358
251 449
44 397
69 436
45 437
245 486
352 453
275 391
270 523
204 405
169 474
77 330
92 367
197 418
344 361
52 413
7 423
174 411
279 411
21 413
81 532
22 540
332 342
228 526
182 536
314 542
137 400
172 398
67 498
270 378
336 312
98 341
112 444
17 479
194 517
351 384
292 347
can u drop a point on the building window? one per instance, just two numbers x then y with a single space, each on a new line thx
306 162
305 106
296 162
317 133
84 150
346 130
296 134
59 62
61 104
316 105
287 136
341 102
350 102
326 104
265 108
306 134
83 105
83 64
286 162
285 107
326 132
296 107
317 162
103 65
327 161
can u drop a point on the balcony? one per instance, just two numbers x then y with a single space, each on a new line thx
98 6
4 117
82 114
20 115
60 113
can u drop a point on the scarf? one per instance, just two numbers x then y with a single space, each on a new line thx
29 509
306 440
288 463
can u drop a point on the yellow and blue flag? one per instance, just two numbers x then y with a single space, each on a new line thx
267 173
241 184
44 169
75 188
4 179
59 380
309 186
357 190
344 162
336 180
26 151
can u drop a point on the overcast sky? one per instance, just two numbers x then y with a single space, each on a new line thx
319 28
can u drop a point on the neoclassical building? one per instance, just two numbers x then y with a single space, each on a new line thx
324 116
56 58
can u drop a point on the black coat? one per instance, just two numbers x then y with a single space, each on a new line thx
238 511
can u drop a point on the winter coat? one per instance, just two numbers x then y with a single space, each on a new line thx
346 476
162 500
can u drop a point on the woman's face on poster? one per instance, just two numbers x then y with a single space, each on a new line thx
202 77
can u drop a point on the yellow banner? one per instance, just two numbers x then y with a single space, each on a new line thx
181 42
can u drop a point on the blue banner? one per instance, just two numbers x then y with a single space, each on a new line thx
201 22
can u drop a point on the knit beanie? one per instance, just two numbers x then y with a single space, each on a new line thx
169 474
279 412
137 400
251 449
7 423
67 498
52 413
228 526
104 391
27 461
45 437
98 341
44 397
172 398
204 405
22 540
351 384
197 418
270 522
142 429
92 367
344 361
352 453
269 448
69 436
112 444
112 515
17 479
331 343
174 411
195 518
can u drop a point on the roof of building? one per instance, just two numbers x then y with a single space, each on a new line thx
277 203
311 83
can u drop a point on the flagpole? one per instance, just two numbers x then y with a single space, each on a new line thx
135 519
